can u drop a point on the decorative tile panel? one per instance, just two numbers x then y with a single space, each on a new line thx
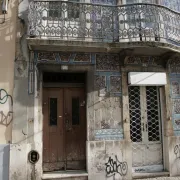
104 125
64 57
108 134
115 84
82 58
46 56
174 65
142 60
172 4
175 96
175 87
109 62
176 106
177 122
100 84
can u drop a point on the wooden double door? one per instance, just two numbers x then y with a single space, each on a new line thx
64 129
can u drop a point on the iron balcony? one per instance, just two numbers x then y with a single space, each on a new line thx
103 23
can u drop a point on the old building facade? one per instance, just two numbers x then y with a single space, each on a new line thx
8 17
96 90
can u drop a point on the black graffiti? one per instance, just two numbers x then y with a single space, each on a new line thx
4 96
116 167
5 119
139 170
177 150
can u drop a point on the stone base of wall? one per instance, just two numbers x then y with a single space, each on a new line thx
162 178
109 160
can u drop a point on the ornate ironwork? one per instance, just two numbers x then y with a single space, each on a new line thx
145 125
109 23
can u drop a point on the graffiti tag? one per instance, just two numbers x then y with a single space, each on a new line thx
4 97
177 150
6 118
114 167
139 170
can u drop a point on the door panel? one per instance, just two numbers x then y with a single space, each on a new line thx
53 152
64 129
75 128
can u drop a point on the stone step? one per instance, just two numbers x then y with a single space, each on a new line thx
161 175
65 175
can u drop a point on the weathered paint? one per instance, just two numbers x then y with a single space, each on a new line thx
107 115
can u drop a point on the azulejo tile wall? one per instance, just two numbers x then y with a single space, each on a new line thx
172 4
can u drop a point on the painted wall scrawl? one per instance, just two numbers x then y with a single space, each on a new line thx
116 168
174 158
6 103
177 151
110 160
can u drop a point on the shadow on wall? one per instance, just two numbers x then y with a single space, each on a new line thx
7 43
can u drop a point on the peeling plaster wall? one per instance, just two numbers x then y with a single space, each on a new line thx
109 160
7 56
104 117
174 158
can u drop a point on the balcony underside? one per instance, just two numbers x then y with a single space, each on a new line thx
151 48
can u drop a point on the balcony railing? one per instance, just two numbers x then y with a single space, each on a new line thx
92 22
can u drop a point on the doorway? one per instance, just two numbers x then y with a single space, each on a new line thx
145 128
64 125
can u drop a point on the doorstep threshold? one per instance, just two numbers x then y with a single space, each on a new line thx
149 175
64 174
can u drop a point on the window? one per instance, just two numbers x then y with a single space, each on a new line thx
73 9
56 9
53 112
75 111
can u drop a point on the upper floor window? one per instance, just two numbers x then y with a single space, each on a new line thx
71 11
